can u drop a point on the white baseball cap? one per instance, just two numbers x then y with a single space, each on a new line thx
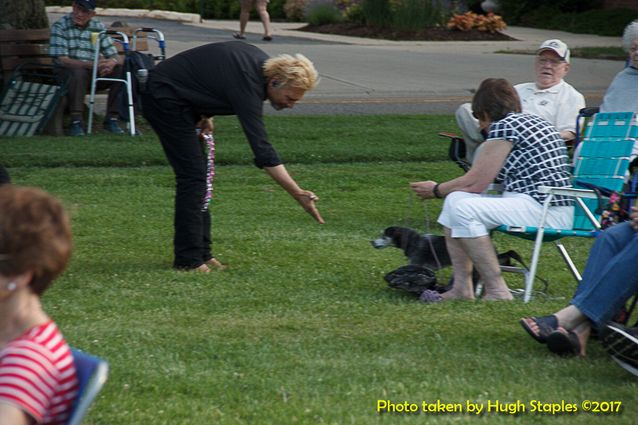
557 47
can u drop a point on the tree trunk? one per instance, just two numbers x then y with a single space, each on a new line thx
23 14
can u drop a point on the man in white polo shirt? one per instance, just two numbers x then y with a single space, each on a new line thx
549 97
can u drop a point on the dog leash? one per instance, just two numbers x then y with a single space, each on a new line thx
427 231
426 215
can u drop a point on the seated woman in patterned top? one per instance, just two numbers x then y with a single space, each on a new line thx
38 382
523 152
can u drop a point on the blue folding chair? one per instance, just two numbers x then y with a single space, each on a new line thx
603 161
92 373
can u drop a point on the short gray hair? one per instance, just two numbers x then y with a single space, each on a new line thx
630 34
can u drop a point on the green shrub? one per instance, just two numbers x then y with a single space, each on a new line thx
354 14
610 22
515 11
324 14
377 13
418 14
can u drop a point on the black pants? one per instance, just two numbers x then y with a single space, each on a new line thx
175 126
80 85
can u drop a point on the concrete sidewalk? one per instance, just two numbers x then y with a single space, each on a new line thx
368 76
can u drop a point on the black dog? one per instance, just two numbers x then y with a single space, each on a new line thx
421 250
430 251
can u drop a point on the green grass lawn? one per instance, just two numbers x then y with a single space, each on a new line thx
301 329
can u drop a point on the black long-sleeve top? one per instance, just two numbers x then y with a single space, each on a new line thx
220 79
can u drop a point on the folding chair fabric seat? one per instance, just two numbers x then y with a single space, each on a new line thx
92 373
28 101
603 160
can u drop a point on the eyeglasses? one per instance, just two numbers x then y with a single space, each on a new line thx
549 61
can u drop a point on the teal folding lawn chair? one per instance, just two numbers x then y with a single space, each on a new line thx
603 161
92 373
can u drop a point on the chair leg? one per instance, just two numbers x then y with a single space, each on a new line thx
529 277
568 261
529 281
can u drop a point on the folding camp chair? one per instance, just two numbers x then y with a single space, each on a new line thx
30 98
603 161
92 373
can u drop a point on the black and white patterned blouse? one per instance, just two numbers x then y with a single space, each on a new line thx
538 156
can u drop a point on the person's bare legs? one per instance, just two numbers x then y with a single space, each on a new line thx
462 266
570 317
244 16
262 9
482 253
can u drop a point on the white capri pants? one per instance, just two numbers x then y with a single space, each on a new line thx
470 215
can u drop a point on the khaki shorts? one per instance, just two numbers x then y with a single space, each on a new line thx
249 3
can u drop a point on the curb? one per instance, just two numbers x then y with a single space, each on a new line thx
192 18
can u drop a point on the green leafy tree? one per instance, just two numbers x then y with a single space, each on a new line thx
23 14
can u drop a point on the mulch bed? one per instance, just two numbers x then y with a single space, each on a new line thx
426 34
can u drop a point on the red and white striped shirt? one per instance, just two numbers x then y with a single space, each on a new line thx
37 374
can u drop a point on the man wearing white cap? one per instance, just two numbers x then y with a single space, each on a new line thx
549 97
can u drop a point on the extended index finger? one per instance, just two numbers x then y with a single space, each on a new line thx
314 212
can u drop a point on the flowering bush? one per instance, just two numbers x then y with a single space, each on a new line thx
469 20
294 10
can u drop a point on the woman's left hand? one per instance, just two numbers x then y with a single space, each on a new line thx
424 190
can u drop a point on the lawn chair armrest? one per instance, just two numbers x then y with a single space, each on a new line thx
578 194
569 191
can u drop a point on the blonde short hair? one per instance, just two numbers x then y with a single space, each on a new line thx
297 71
630 34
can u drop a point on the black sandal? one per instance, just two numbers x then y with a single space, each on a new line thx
564 343
238 36
546 325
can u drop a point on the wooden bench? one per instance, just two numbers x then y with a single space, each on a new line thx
22 46
19 46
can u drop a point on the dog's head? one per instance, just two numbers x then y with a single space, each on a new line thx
394 236
424 250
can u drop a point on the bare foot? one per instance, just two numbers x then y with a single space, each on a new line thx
457 295
203 268
215 264
499 296
498 293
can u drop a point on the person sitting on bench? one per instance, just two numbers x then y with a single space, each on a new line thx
71 45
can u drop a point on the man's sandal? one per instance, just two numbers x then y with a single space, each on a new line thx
545 326
564 343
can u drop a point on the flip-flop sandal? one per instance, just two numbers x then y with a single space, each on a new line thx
238 36
546 325
564 343
430 297
267 38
